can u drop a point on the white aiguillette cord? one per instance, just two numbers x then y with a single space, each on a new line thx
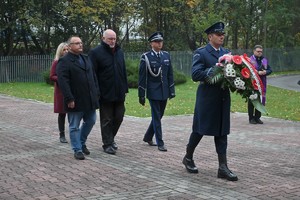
149 68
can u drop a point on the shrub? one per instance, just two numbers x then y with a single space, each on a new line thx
132 67
133 74
179 77
46 76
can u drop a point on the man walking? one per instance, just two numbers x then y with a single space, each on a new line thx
212 108
109 63
78 83
156 82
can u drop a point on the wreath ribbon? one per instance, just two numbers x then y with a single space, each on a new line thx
254 74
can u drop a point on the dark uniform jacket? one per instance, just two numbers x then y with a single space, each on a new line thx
78 83
110 69
212 109
158 87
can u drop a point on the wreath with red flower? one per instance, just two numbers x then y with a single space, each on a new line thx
238 74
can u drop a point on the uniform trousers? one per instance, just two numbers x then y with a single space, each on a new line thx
111 117
220 142
157 111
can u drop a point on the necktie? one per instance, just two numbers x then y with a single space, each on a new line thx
158 55
81 61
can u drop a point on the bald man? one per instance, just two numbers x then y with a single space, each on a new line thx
109 63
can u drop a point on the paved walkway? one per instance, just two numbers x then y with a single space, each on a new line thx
289 82
34 165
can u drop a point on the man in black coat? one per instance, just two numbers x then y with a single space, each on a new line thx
212 109
156 82
79 85
109 63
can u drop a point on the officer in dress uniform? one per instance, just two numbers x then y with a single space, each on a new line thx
212 108
157 84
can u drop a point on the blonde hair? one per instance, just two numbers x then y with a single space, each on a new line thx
59 50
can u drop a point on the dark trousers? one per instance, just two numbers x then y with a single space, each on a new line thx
157 112
61 122
252 112
111 117
220 144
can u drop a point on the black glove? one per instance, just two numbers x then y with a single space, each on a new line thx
142 100
172 96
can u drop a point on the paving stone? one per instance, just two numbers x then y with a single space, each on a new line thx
35 165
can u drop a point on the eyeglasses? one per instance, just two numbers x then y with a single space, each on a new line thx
76 43
259 51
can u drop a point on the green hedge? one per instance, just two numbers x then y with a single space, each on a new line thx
132 75
46 77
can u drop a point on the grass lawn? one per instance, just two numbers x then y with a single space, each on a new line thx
281 103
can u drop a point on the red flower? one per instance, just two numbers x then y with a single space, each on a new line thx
245 72
237 60
246 57
255 87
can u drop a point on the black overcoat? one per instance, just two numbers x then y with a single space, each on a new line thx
212 108
78 83
111 72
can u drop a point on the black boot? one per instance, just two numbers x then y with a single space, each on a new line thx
62 137
223 171
189 162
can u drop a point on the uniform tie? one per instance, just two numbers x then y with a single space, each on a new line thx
158 55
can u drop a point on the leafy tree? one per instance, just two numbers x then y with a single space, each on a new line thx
282 23
10 25
38 26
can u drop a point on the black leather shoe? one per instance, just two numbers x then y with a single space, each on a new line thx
252 121
79 156
85 150
162 148
63 139
225 173
114 146
259 121
110 150
151 143
190 165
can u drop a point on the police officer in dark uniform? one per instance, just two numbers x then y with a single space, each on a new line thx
156 82
212 108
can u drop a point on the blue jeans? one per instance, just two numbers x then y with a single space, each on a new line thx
79 134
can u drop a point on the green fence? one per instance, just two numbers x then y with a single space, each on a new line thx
24 68
30 68
279 59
